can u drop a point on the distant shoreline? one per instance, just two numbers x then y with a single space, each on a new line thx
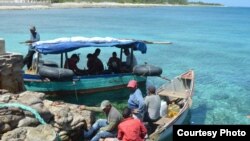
68 5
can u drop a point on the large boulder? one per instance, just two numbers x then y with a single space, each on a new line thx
10 72
39 133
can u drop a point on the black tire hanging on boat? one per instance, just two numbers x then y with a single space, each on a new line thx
147 70
56 74
50 64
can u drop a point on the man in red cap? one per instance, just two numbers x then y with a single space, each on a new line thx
136 101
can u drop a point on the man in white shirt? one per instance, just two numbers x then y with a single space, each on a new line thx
153 104
130 60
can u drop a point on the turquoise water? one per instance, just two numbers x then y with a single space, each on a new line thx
214 41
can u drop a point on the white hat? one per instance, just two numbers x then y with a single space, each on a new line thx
104 104
33 28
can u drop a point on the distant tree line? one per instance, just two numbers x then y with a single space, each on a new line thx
126 1
204 3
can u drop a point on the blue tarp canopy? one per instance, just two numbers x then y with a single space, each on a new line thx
62 45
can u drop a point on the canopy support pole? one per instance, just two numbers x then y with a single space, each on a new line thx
61 60
131 59
121 54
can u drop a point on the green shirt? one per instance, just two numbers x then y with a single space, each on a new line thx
114 117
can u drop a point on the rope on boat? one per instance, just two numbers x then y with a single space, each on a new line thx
27 108
165 78
74 84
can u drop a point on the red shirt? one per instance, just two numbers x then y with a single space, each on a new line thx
131 130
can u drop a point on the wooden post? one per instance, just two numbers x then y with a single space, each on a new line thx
2 46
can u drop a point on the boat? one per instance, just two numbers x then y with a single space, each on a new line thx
180 91
177 93
50 78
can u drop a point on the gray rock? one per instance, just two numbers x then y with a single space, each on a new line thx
28 121
5 98
29 99
39 133
18 134
4 128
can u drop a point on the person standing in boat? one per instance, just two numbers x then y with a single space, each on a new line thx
131 129
114 63
104 127
34 37
136 101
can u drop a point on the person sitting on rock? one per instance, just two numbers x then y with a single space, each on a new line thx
104 127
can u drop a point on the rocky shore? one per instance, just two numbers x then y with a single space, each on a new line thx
19 121
29 116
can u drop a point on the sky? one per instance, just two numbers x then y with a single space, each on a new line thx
241 3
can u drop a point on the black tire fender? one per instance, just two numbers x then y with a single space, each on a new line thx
147 70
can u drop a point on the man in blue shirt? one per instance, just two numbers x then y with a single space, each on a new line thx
136 101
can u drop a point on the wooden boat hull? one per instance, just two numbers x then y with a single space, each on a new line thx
167 134
80 84
180 88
